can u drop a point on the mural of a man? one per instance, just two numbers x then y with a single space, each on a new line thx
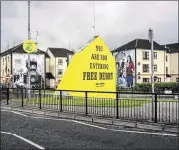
129 71
36 78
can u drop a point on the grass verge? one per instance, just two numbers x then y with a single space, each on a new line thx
91 102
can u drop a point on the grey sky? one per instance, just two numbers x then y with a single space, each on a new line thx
61 22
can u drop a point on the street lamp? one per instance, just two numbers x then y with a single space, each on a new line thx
150 34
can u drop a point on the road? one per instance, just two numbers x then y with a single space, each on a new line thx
27 132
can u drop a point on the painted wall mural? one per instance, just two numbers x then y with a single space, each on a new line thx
125 65
20 70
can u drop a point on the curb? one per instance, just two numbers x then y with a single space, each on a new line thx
95 119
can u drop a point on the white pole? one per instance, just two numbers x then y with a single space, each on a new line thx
28 79
152 69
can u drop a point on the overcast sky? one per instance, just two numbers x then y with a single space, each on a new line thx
60 23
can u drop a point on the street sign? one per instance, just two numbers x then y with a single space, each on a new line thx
29 46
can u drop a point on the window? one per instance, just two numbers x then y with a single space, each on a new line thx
145 55
3 73
3 61
166 58
155 68
166 70
155 55
145 67
177 79
60 61
145 79
8 59
60 71
159 79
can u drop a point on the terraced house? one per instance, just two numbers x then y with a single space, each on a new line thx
133 62
14 66
173 50
58 62
47 68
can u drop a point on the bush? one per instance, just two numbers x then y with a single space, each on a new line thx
159 87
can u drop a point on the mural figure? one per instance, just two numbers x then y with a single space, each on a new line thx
129 71
125 65
20 76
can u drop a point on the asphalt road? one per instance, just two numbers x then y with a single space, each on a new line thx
62 134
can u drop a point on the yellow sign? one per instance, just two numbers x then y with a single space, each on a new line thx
91 69
29 46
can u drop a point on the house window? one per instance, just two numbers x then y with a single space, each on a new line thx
159 79
8 59
166 58
155 55
3 61
155 68
3 73
145 79
145 67
145 55
60 61
60 71
166 70
177 79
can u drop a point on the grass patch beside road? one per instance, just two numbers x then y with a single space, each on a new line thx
79 101
91 102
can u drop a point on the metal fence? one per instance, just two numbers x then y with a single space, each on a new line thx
131 106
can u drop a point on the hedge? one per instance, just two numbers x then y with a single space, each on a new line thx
159 87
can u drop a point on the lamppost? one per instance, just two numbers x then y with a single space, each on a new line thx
150 33
29 37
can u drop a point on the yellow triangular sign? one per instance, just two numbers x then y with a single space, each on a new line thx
91 69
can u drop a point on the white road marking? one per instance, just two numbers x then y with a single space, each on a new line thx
79 122
15 112
89 125
24 139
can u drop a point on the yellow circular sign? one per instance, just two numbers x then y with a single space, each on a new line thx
29 46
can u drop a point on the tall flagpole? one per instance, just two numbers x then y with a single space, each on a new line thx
94 18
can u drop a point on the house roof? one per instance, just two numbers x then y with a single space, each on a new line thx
139 43
172 48
19 49
60 52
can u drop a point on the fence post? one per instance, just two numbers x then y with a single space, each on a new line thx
40 99
25 93
7 95
117 105
86 102
156 108
61 101
22 97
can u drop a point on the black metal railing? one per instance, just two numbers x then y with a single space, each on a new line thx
131 106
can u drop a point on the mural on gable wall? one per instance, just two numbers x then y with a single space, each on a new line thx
125 65
20 69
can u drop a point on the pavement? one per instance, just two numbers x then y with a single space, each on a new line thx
27 131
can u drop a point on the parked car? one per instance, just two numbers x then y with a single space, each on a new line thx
167 92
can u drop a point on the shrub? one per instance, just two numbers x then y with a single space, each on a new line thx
159 87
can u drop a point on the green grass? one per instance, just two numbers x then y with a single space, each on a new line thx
123 102
91 102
